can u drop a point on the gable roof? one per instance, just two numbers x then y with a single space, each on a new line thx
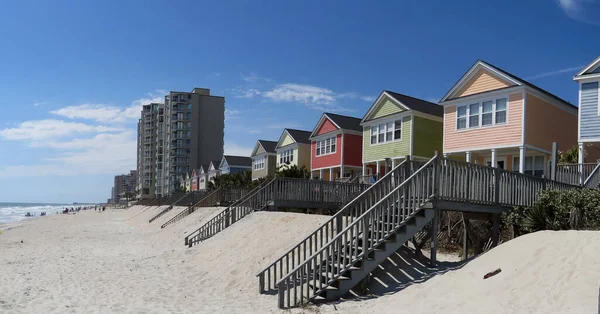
588 69
506 75
299 136
215 164
340 121
406 102
237 161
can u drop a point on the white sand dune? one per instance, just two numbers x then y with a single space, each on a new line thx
115 262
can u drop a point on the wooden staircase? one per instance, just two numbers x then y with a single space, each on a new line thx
208 200
325 268
254 200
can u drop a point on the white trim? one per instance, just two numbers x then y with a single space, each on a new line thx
324 140
411 137
391 117
320 124
386 131
341 154
589 78
383 159
335 166
524 96
480 114
286 147
484 95
516 145
264 163
377 103
326 135
471 72
588 67
579 113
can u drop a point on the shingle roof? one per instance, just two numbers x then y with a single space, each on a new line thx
418 104
238 161
527 83
345 122
269 146
300 136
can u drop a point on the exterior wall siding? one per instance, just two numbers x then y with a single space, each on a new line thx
327 160
590 120
500 135
386 109
287 140
303 154
481 82
353 150
388 150
428 137
326 127
545 123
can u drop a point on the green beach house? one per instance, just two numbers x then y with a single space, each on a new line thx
397 125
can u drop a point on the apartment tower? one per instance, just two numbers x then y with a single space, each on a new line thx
194 125
149 149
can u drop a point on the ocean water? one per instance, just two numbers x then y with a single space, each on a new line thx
10 212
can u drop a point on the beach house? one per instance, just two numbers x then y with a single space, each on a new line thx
264 159
213 171
336 147
203 177
233 164
397 126
589 112
495 118
293 149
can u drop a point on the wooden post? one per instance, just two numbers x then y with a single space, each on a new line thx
261 282
496 186
553 161
465 238
495 229
436 213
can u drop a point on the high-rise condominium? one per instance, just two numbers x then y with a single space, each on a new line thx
183 134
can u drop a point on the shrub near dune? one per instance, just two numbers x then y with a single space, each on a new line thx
559 210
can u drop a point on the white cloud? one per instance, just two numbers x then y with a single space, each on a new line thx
253 78
585 11
38 103
36 130
552 73
305 94
240 92
232 148
101 154
107 113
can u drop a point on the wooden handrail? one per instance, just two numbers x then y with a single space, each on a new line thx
593 180
269 276
221 220
343 249
210 199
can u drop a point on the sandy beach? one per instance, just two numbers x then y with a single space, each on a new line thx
115 262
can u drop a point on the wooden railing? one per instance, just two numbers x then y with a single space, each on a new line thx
476 184
269 276
315 191
254 200
573 174
166 210
162 212
230 195
358 239
593 180
210 199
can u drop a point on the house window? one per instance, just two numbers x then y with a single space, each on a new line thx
473 115
259 163
286 156
326 146
534 165
485 113
461 118
500 110
387 132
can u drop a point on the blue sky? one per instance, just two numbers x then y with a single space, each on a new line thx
74 75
